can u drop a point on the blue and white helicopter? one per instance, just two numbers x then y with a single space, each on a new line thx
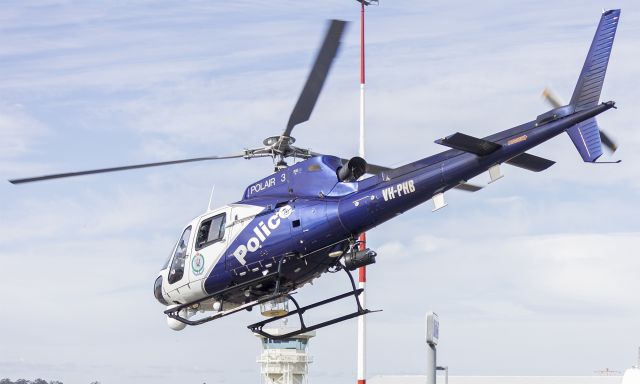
303 220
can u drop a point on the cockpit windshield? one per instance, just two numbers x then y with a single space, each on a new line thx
179 255
166 263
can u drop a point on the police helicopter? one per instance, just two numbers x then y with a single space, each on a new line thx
303 220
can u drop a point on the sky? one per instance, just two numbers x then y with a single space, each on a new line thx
537 274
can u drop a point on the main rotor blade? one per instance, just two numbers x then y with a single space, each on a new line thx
315 81
116 169
376 169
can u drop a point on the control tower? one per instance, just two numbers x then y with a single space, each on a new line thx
632 375
284 361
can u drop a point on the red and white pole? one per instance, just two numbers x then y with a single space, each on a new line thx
362 279
362 272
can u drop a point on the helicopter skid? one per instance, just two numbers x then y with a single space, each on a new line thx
258 327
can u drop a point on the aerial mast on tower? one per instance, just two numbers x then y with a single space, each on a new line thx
362 271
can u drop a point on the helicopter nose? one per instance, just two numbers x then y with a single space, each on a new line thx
157 291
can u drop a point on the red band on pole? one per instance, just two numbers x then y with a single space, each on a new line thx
362 274
362 381
362 271
363 242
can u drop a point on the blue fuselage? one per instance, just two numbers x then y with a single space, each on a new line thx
324 214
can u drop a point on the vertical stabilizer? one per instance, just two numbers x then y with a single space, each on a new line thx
586 135
587 92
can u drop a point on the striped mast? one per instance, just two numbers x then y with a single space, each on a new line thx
362 271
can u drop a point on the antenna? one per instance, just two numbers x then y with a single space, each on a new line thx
209 209
362 239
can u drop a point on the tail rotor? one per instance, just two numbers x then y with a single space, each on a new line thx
556 102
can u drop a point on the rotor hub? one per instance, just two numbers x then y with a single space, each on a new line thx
284 141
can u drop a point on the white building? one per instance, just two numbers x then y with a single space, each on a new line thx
417 379
632 375
284 361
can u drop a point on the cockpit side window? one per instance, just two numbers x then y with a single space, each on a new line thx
210 231
177 266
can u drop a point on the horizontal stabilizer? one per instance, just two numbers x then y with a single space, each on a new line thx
530 162
468 187
469 144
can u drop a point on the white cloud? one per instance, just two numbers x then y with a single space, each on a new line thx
18 130
529 267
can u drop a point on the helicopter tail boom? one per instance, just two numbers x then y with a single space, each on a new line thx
403 188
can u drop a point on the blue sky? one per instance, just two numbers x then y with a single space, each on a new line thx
535 275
